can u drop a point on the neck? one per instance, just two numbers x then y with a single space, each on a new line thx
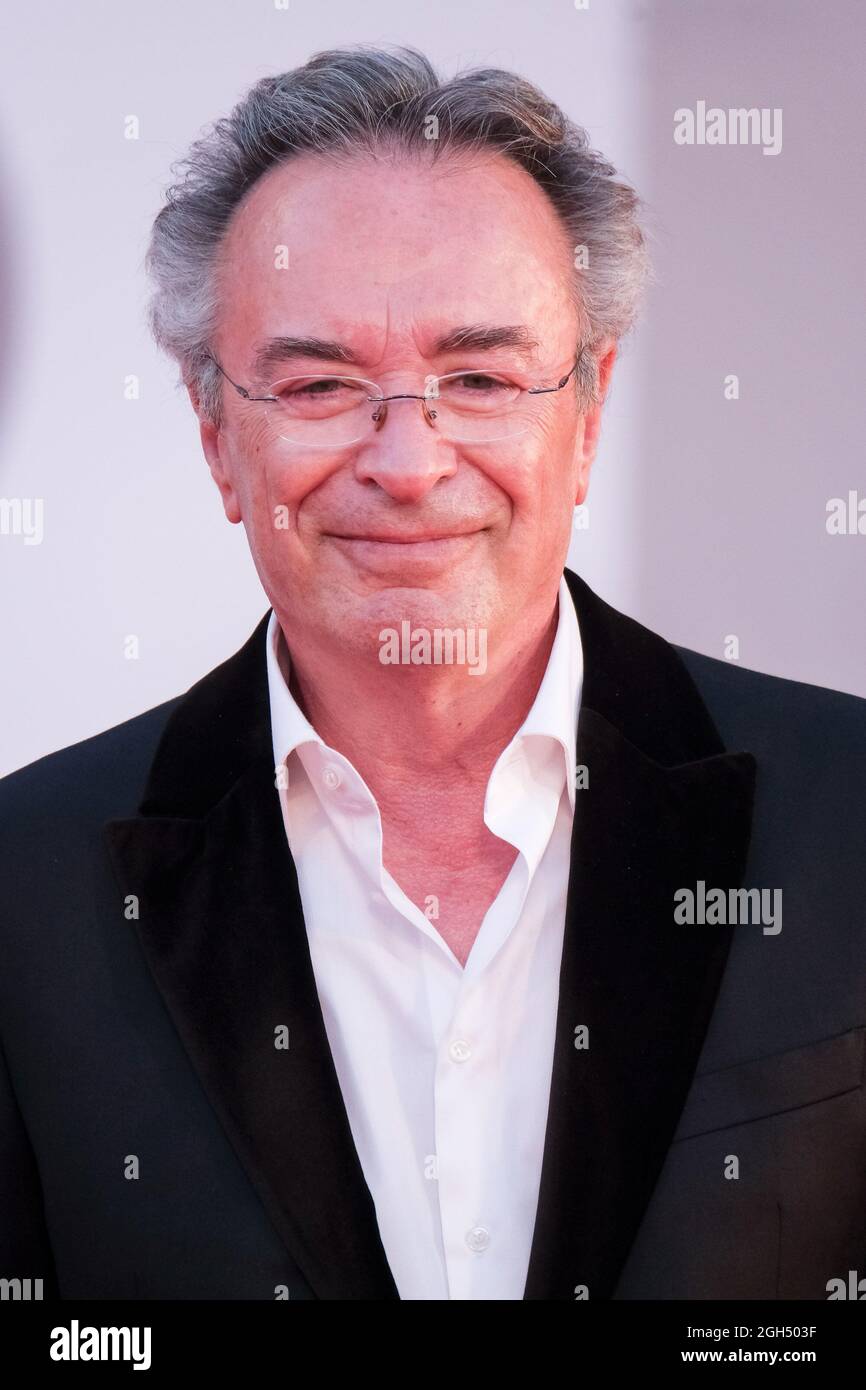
409 728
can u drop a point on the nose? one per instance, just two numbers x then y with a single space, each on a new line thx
406 457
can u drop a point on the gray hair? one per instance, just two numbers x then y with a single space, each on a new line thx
361 99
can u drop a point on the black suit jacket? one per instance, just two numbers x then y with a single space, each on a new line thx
149 1040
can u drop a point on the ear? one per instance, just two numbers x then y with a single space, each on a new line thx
588 440
213 446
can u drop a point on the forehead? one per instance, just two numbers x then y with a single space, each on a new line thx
396 243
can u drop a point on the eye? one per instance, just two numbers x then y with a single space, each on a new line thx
319 397
481 382
311 386
477 391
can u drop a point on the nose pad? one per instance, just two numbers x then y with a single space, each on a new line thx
380 414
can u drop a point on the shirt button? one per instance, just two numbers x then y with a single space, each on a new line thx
332 777
459 1050
478 1239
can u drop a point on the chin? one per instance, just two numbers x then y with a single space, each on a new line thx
428 607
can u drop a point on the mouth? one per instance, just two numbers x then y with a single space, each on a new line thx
391 552
418 538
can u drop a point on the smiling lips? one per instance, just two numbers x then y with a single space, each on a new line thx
421 538
425 552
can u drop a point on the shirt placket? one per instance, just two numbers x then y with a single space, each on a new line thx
464 1085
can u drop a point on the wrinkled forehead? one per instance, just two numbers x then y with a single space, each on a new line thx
397 242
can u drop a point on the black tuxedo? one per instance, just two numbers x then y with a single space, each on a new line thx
152 1038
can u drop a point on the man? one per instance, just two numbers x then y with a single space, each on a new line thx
458 937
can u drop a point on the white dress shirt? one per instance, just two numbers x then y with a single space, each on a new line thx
445 1070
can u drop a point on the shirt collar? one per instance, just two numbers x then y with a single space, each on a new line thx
289 726
553 714
556 706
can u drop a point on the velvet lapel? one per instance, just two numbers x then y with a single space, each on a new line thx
665 806
223 933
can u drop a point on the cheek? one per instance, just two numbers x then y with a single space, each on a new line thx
540 475
272 482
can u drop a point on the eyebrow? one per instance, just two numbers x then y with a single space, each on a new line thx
473 337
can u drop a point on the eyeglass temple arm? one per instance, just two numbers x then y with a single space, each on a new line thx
544 390
241 390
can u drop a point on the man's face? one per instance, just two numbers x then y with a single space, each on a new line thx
386 258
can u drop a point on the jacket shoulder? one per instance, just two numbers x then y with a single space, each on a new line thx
104 774
810 747
750 706
805 986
